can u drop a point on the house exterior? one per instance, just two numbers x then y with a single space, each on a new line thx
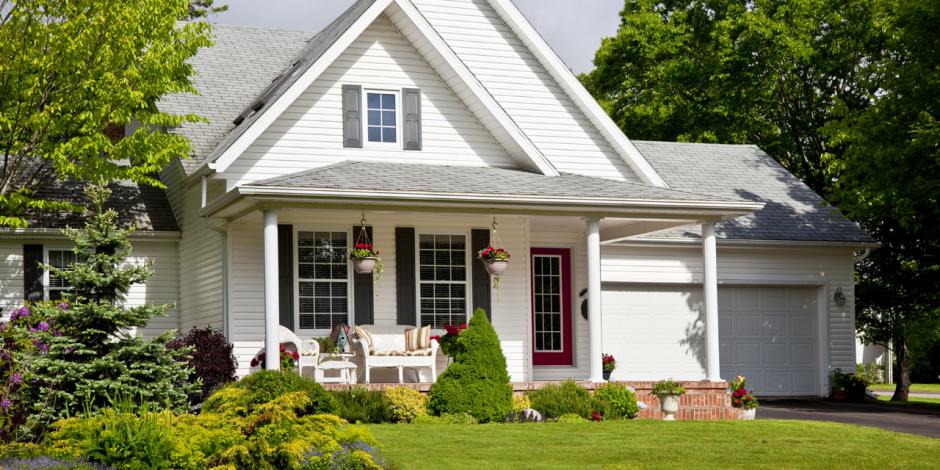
427 124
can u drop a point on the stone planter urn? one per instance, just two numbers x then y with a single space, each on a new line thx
364 265
749 414
496 267
669 405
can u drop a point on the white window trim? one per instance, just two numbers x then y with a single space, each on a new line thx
350 297
45 272
397 145
468 268
561 303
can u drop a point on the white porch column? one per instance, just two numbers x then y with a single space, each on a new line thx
594 298
710 289
271 308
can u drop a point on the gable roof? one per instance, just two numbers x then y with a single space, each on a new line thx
229 76
482 182
792 210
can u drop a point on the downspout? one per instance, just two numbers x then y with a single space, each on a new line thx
863 256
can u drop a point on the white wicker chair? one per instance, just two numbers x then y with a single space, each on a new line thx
309 350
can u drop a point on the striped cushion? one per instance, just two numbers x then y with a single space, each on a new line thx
411 339
364 336
424 338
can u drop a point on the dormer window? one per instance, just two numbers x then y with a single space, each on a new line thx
382 117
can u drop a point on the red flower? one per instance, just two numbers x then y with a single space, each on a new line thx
364 246
463 326
451 330
436 338
254 363
296 356
596 416
282 348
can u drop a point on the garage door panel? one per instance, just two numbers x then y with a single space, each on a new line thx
772 298
744 298
801 328
775 354
772 326
803 383
745 325
803 354
746 353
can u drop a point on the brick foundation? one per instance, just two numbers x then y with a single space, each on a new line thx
703 400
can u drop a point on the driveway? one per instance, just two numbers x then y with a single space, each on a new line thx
912 421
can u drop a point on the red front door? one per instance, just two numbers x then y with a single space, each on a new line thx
551 307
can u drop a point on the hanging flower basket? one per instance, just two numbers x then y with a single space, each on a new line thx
365 260
496 261
496 267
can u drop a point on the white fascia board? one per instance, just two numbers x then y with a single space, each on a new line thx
497 112
566 79
275 109
731 206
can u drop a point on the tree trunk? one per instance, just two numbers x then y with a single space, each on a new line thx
903 379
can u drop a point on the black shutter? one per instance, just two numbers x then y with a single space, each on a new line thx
411 105
362 288
32 272
405 275
352 116
285 270
480 239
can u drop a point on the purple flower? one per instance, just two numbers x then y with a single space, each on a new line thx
43 349
64 305
22 312
56 333
6 404
3 326
43 326
16 378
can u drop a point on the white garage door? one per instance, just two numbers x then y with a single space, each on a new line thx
766 333
769 335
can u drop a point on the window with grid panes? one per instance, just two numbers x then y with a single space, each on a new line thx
442 279
322 279
60 259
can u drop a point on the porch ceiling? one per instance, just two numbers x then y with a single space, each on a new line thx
410 186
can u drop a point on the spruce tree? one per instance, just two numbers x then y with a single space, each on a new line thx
477 383
90 354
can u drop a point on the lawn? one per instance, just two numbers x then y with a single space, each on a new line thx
913 402
646 444
930 388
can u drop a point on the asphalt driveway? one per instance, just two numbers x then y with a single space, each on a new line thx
912 421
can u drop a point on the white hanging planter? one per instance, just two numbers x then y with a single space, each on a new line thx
496 267
364 265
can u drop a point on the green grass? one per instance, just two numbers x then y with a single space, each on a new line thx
646 444
930 388
913 402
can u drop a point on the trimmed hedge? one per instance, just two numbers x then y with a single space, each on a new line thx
477 383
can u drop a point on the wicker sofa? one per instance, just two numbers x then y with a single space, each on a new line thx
388 351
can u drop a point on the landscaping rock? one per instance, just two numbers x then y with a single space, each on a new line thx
527 415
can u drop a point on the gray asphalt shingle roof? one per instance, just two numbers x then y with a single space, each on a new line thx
792 210
400 177
145 206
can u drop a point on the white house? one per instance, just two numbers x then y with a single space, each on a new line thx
431 119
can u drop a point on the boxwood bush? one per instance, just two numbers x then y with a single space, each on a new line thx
555 401
477 383
616 401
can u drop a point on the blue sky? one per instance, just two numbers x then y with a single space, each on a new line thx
574 28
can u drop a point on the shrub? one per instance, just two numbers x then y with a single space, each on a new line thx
477 382
553 400
358 405
871 373
407 403
617 401
244 396
520 402
571 418
120 439
211 359
446 418
667 387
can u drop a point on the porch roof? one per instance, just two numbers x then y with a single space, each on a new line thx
491 187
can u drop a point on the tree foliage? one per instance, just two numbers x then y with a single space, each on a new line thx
69 69
85 352
844 93
765 72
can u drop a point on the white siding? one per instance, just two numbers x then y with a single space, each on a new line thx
11 277
510 317
200 259
161 289
830 268
309 133
522 86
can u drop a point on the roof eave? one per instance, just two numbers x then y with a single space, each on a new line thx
271 195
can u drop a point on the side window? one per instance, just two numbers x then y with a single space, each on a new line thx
56 285
322 279
382 117
442 280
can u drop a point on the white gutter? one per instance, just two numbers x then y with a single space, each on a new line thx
55 233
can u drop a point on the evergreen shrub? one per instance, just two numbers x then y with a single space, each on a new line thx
616 400
554 401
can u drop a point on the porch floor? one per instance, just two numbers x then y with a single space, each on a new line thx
703 400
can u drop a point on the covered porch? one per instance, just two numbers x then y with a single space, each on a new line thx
287 243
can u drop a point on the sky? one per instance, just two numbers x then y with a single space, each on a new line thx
573 28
